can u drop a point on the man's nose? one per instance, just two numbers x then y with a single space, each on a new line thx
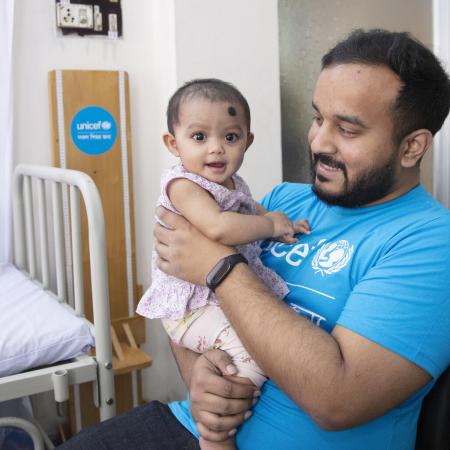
321 139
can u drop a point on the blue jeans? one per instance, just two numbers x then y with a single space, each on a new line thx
151 427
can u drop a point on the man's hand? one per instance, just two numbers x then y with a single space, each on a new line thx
219 401
183 251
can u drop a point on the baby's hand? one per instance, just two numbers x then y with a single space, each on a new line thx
302 226
282 226
284 229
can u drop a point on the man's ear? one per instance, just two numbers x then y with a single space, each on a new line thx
414 147
250 137
171 143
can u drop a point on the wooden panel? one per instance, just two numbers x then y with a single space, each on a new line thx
101 88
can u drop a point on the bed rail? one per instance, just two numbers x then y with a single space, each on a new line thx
30 188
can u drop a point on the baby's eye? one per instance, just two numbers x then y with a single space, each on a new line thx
231 137
199 136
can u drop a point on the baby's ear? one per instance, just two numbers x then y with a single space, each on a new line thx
171 143
250 137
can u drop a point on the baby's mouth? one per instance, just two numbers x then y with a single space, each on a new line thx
216 165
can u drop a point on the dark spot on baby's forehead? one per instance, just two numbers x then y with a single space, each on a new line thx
231 110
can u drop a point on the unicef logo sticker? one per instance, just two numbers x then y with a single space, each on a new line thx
332 257
93 130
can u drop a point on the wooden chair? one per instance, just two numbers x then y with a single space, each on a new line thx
126 334
433 429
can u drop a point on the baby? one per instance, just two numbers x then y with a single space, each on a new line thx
209 130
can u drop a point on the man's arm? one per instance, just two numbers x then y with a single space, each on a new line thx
185 360
341 380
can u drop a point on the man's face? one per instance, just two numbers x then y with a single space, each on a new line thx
354 160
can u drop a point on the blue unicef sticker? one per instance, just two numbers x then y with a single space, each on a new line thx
93 130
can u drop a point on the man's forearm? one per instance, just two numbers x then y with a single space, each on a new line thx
284 344
320 372
185 360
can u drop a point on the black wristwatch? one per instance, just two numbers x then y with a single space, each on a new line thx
221 270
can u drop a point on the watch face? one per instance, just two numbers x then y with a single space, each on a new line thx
219 271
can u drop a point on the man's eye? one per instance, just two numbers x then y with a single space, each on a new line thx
198 136
318 120
347 132
231 137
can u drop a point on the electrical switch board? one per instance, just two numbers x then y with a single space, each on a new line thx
89 17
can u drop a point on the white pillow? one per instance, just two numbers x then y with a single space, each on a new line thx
35 329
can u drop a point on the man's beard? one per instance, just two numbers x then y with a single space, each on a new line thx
368 187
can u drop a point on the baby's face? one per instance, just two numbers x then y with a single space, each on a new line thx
211 139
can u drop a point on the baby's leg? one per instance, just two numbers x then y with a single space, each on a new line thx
211 330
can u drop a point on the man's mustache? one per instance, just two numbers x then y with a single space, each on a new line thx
328 160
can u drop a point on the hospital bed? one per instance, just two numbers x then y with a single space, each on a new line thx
44 335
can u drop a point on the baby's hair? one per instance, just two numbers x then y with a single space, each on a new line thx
209 88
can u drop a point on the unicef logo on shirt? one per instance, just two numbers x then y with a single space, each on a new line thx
332 257
93 130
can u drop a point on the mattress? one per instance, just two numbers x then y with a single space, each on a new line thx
35 329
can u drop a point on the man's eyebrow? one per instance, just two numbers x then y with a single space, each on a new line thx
351 119
354 120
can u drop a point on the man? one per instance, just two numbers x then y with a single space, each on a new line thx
372 275
365 330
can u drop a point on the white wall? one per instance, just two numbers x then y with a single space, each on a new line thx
238 41
441 44
165 42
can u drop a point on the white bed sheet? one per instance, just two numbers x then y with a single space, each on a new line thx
35 329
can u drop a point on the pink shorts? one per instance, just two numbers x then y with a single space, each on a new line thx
208 328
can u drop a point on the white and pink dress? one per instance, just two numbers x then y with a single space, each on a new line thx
190 312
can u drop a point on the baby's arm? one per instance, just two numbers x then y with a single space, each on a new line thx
227 227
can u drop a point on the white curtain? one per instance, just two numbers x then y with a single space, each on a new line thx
441 146
6 124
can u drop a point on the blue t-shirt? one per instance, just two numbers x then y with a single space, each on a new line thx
380 271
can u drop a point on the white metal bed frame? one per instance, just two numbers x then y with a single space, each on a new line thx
30 183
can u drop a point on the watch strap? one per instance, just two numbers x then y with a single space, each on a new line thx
222 269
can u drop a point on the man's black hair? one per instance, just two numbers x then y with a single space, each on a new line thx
424 98
209 88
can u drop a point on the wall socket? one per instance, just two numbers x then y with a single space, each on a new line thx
74 15
92 18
